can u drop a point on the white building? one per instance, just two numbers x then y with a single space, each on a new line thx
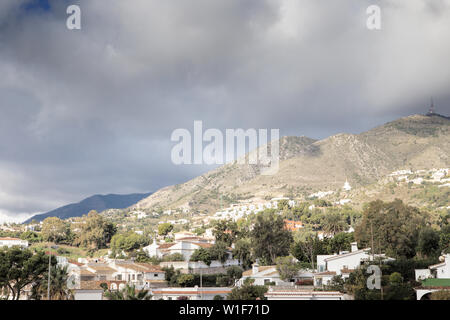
342 264
141 275
347 186
265 275
194 293
11 242
301 294
435 278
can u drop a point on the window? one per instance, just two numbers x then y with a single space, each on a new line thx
155 275
266 281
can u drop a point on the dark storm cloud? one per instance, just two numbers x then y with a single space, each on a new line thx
91 111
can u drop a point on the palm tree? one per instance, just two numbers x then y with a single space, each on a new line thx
58 285
128 293
333 223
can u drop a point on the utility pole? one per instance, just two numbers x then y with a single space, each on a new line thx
201 284
381 280
371 234
49 267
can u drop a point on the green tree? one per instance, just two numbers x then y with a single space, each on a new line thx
128 293
58 285
248 291
128 242
234 273
444 239
333 223
96 231
186 280
20 268
287 267
340 242
219 251
54 230
164 229
398 289
202 255
225 231
337 284
242 251
394 227
31 236
269 238
428 243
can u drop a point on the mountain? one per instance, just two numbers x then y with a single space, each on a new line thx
96 202
308 165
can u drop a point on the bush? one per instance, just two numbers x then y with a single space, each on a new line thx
186 280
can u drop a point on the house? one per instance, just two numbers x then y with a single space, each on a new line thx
265 275
435 278
342 264
200 267
11 242
158 250
93 290
141 275
301 294
101 271
194 293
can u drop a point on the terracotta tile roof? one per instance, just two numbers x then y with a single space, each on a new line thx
347 270
346 254
304 293
8 238
86 272
326 273
190 238
203 245
165 245
150 267
260 269
140 267
95 285
76 263
98 268
168 292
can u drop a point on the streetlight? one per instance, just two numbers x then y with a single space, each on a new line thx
49 268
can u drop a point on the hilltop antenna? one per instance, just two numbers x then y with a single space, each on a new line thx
431 111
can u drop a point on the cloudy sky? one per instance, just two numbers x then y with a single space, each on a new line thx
91 111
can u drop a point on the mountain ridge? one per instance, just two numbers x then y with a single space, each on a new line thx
308 165
96 202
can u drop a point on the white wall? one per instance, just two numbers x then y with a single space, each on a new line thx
351 262
88 294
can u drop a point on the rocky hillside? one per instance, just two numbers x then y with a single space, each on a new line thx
307 165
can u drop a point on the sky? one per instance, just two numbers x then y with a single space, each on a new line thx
91 111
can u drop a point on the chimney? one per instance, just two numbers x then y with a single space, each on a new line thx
255 268
354 246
